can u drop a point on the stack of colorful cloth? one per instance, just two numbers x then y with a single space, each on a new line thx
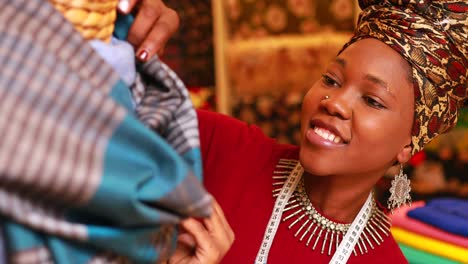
435 232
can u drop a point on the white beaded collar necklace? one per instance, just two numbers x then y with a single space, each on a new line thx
311 227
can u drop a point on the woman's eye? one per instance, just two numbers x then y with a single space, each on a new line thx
329 81
373 103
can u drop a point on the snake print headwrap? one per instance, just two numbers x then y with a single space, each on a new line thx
433 37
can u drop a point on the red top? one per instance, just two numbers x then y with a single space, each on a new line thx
238 164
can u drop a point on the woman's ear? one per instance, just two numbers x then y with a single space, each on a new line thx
404 155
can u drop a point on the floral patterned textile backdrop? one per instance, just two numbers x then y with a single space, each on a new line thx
278 48
259 18
190 51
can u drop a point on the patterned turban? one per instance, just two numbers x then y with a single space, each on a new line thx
433 37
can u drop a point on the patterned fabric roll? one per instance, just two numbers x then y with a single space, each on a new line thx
432 36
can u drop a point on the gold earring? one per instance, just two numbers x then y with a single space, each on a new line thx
400 191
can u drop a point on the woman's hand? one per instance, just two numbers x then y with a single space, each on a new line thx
153 26
203 243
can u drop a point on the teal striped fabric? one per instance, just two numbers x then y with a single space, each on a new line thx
84 175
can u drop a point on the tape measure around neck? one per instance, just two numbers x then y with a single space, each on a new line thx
343 252
346 246
275 218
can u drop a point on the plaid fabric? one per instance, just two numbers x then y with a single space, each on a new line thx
82 179
167 111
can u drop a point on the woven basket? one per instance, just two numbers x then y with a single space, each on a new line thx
94 19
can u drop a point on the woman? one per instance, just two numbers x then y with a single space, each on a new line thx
396 85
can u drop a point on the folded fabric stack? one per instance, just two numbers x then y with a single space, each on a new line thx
435 232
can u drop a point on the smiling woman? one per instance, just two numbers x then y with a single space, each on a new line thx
396 85
367 103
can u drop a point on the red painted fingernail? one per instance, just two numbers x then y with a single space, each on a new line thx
143 55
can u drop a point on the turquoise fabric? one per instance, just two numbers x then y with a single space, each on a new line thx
121 95
122 25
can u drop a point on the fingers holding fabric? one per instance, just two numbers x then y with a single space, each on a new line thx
205 241
154 24
219 227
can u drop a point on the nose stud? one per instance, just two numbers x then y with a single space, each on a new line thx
327 97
